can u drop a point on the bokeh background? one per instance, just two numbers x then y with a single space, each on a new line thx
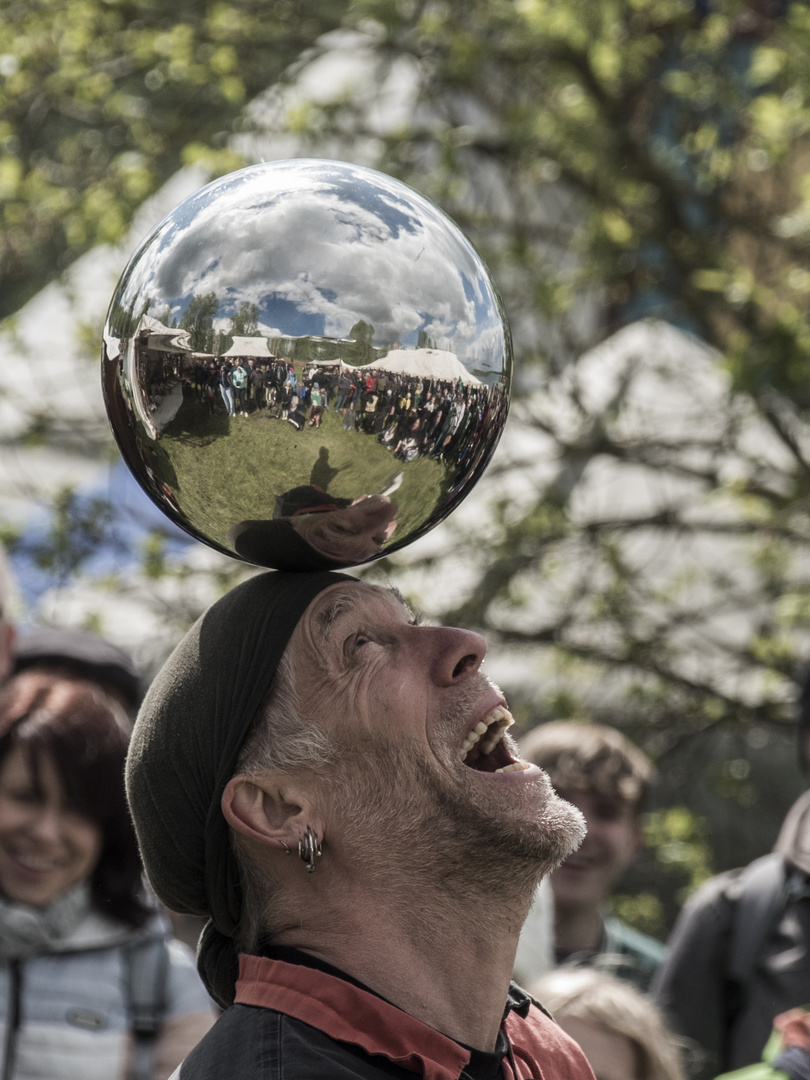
636 173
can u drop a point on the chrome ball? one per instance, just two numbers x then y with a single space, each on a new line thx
306 365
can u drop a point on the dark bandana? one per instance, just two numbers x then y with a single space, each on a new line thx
190 729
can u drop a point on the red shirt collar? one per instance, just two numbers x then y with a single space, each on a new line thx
351 1015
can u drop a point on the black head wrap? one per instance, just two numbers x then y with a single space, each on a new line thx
190 729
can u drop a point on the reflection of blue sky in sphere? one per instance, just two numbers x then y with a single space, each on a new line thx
318 246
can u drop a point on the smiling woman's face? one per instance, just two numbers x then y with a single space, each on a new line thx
46 847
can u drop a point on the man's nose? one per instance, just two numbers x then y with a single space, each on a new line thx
458 653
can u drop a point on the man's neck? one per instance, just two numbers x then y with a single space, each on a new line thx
577 930
449 967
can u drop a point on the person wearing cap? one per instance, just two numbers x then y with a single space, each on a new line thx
78 654
69 653
331 783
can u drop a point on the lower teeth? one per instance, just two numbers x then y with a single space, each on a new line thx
516 766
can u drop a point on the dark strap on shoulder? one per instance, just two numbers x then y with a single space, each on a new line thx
147 999
762 897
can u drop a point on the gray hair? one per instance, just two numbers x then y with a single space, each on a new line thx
280 739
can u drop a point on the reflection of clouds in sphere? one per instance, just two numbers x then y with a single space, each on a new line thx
487 345
330 251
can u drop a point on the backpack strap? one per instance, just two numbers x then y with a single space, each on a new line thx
147 977
764 886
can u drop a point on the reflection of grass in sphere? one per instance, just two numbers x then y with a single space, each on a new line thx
231 470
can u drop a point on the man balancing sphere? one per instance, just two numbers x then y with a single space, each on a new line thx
331 783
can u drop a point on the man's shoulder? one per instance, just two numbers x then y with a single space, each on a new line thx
719 894
251 1042
538 1043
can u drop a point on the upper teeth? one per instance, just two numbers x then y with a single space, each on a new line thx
493 725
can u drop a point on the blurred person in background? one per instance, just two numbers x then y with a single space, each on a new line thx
609 779
69 653
738 955
78 654
7 633
786 1053
620 1031
92 986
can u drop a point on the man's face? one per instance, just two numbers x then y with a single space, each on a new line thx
422 737
586 878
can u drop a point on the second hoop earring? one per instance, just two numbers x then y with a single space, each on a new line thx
309 849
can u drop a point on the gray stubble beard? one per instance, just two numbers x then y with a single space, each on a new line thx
411 821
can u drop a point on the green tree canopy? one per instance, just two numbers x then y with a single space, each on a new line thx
199 319
245 322
101 102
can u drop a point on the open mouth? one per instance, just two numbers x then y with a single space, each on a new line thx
484 749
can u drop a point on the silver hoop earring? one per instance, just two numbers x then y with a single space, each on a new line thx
286 849
309 849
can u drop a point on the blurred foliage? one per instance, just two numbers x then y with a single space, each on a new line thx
643 543
101 101
618 161
676 859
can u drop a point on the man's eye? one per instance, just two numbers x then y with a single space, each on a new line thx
355 644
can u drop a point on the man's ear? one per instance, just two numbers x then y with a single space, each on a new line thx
268 812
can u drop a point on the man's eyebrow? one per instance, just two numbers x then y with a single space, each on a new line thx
325 619
414 617
347 602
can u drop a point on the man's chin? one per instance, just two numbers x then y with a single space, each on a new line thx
561 831
526 838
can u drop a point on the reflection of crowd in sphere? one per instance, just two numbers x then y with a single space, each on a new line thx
410 415
241 387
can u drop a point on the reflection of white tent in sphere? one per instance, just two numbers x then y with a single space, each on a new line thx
155 335
249 346
423 364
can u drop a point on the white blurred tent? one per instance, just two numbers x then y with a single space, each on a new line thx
249 346
435 364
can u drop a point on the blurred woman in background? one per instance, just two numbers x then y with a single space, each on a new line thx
91 985
621 1032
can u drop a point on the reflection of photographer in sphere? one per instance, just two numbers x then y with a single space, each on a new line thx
312 530
351 533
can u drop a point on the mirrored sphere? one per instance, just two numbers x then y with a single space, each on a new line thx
306 365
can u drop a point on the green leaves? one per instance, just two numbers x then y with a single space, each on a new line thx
101 103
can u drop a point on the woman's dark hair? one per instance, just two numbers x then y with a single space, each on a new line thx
85 734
